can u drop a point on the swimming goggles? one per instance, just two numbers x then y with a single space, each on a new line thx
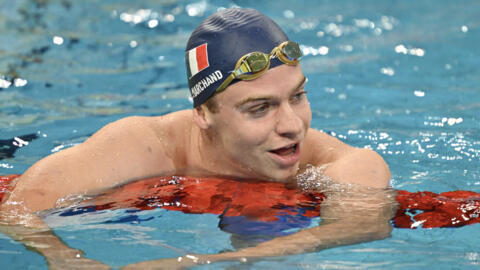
253 65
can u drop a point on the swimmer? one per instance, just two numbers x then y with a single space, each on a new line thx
250 120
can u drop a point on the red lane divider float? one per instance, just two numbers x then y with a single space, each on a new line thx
266 200
5 184
432 210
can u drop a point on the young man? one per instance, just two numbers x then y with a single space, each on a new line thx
251 120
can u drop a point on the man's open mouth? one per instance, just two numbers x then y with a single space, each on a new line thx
285 151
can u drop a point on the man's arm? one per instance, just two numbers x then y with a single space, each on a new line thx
350 215
353 216
121 151
43 241
344 163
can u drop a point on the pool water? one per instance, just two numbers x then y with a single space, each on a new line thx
399 77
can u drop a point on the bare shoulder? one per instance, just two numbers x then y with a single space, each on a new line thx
154 144
346 164
321 148
127 149
153 132
173 124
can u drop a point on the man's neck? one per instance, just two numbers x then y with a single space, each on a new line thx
207 154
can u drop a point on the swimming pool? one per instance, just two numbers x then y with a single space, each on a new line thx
398 77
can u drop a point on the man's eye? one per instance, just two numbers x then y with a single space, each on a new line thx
298 97
258 110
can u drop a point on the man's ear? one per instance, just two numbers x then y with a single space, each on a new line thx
202 117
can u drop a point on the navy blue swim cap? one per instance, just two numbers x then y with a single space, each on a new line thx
220 41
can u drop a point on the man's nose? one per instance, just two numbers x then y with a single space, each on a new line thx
289 123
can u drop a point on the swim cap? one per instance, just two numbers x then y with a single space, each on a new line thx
220 41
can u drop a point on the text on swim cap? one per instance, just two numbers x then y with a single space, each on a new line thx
205 82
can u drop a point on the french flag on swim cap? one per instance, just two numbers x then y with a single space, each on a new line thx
197 59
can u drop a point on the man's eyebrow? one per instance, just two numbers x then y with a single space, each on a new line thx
301 84
260 98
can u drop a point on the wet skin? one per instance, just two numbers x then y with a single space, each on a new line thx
261 131
260 125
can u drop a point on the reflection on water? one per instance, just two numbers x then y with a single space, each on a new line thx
387 76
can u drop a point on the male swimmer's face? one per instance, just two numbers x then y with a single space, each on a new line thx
262 123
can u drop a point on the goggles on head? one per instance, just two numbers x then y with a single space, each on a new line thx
253 65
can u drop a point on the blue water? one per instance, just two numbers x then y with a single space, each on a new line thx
399 77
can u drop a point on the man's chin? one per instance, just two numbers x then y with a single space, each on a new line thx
272 172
